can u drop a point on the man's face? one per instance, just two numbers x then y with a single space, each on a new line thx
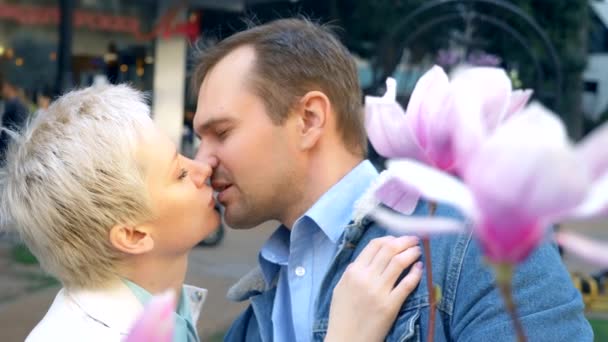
256 175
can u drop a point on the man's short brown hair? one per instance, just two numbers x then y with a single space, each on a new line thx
293 57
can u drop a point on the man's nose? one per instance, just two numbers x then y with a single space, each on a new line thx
204 155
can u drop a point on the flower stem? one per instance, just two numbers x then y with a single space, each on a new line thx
426 245
504 276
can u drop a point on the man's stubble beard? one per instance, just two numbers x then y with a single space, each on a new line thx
250 213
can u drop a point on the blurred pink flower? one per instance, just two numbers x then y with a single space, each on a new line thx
445 121
523 178
442 123
594 153
156 324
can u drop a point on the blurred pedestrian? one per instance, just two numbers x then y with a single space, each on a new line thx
15 113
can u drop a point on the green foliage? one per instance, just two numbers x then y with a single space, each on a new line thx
600 329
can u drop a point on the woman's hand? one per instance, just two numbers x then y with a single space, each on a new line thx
366 300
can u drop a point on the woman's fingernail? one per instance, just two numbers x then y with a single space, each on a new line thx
418 265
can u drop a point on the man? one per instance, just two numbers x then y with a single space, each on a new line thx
15 114
279 115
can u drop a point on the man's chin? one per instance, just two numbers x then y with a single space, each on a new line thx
240 225
238 222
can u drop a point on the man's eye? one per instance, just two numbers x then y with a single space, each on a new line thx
222 134
182 174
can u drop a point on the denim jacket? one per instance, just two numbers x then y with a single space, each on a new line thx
470 308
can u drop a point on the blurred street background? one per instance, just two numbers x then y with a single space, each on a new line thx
558 48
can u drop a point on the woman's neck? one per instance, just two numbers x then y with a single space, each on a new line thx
156 274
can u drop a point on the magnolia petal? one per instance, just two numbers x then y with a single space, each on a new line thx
595 252
426 100
519 98
593 149
390 95
525 169
536 120
419 225
457 132
398 196
156 323
509 240
493 86
431 184
596 202
387 128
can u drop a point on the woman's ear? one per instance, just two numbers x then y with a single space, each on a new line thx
131 240
312 115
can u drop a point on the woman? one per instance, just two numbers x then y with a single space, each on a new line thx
103 199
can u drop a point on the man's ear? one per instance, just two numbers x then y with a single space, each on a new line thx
312 114
132 240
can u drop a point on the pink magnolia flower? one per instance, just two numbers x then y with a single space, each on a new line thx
523 178
156 324
444 121
592 150
594 153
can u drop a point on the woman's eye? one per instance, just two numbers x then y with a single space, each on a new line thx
182 174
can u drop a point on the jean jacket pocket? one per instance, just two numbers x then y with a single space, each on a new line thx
406 327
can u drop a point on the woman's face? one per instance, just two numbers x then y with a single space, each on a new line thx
182 201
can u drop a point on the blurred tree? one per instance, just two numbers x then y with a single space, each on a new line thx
368 23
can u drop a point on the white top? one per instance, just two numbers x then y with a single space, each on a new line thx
100 315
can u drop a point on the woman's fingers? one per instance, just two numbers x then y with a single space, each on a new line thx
366 297
400 263
389 250
369 252
407 285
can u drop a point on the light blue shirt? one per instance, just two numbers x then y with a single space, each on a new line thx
185 331
301 257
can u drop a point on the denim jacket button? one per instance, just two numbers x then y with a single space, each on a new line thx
300 271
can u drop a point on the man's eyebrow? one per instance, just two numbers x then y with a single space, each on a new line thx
209 124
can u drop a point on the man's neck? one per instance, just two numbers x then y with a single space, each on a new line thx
156 274
323 173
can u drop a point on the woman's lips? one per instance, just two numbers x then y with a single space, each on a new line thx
222 188
221 196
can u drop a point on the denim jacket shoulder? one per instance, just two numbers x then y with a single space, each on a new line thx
447 259
470 307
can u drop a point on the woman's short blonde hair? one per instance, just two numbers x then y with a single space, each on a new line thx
72 175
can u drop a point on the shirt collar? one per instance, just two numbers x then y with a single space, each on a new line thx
341 198
144 297
274 253
118 306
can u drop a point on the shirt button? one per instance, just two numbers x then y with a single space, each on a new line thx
197 296
300 271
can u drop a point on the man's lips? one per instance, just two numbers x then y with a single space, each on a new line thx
220 186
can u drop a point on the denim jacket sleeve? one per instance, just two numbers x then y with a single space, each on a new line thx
549 306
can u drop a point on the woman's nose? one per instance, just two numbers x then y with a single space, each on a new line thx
200 173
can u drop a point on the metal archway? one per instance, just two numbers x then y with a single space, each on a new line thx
400 38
